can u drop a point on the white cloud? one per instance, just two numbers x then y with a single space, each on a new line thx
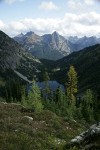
89 2
13 1
48 6
75 5
2 25
71 24
78 6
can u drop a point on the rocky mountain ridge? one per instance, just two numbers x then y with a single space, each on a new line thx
49 46
83 42
54 46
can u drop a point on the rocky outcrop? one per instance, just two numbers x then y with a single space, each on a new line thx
89 140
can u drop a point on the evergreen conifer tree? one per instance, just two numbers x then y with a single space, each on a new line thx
72 89
72 84
34 98
87 105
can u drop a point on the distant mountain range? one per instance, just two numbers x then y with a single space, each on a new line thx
49 46
15 58
53 46
83 42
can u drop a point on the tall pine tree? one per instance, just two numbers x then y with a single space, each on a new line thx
71 91
72 84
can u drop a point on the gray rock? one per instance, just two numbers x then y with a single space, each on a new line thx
77 140
27 119
86 139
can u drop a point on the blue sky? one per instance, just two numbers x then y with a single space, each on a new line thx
68 17
31 9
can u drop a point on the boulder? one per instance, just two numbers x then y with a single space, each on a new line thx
27 119
87 140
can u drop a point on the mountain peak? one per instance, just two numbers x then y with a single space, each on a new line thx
29 33
20 35
49 46
55 33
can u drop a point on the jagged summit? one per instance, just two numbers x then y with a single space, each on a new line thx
20 35
49 46
27 39
54 46
55 33
30 33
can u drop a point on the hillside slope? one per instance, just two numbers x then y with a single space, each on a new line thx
87 64
14 57
30 130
